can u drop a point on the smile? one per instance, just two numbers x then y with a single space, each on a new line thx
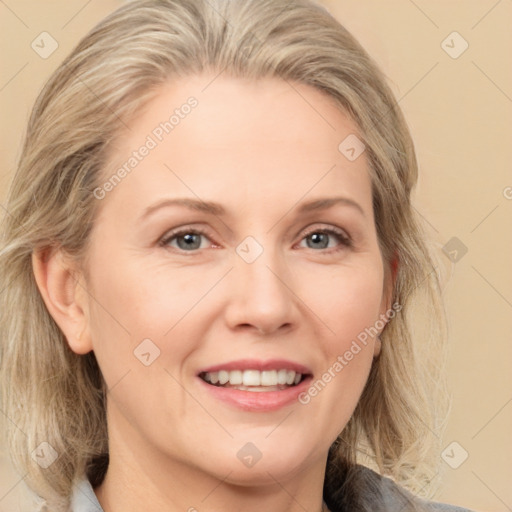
255 385
253 380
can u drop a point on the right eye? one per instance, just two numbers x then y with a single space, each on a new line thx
188 240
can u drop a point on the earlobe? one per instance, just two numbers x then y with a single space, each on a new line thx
63 296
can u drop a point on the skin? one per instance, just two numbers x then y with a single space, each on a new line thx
260 149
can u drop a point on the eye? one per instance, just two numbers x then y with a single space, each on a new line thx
326 239
186 240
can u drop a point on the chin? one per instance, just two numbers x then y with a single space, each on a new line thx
249 466
264 473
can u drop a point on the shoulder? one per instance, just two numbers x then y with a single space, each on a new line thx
395 494
365 490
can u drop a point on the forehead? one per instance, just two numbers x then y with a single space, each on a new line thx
258 141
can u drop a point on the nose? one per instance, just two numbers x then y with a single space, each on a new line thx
260 296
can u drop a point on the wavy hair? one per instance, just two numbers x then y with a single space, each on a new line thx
49 393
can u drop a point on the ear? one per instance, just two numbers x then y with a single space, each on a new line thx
387 298
65 297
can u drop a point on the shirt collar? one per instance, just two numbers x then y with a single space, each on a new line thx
83 498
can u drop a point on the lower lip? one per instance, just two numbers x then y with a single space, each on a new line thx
257 401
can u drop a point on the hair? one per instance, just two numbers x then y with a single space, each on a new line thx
51 394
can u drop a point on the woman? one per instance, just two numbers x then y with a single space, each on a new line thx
212 265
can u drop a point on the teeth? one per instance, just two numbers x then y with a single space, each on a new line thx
269 378
235 377
281 377
253 378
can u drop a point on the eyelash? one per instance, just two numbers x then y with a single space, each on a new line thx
345 240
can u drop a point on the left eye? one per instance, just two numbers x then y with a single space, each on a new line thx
324 239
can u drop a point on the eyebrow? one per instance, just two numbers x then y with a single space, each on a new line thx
192 204
328 202
217 209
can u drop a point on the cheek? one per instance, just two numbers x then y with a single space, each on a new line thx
136 316
346 299
133 301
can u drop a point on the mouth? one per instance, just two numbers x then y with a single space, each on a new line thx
254 380
255 385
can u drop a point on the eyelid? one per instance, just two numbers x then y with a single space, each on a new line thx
329 228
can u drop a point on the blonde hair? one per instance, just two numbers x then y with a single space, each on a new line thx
49 393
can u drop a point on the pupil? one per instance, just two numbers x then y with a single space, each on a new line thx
319 240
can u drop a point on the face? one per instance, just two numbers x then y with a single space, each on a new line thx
239 247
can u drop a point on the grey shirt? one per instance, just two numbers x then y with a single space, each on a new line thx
391 499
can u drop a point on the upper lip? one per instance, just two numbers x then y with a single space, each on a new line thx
258 364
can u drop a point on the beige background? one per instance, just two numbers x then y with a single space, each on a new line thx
460 111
